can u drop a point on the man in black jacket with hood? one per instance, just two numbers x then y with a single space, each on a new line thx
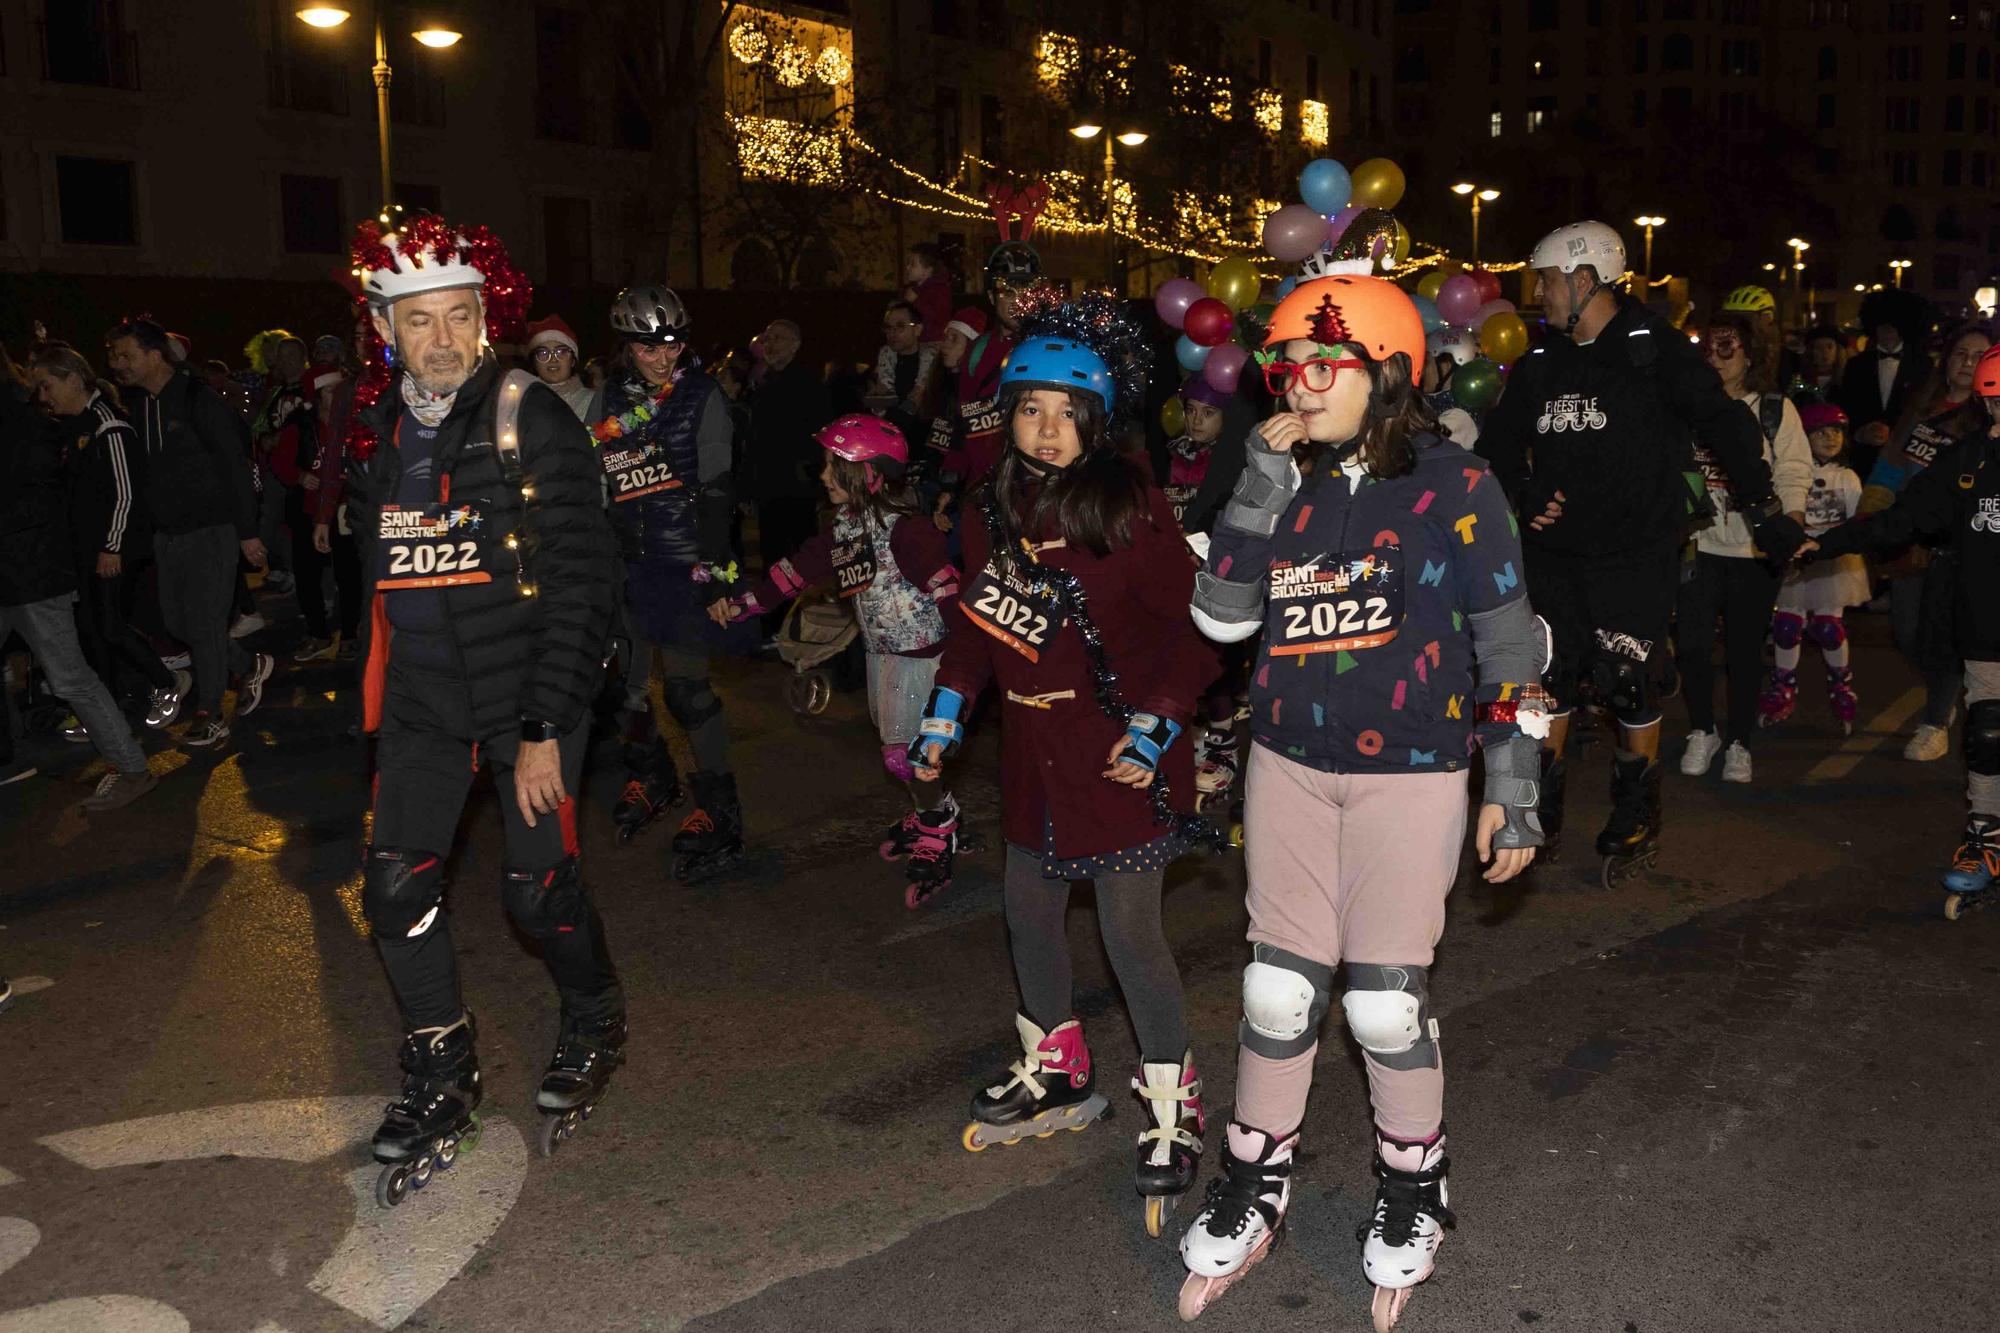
488 561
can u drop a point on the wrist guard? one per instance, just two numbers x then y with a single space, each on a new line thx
1151 735
1513 782
942 722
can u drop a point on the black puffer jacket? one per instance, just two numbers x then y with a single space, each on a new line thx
35 562
529 644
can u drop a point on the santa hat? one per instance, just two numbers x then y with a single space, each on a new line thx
969 322
552 330
324 376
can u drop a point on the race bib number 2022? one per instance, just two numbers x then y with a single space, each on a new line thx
1331 605
437 546
631 473
1012 612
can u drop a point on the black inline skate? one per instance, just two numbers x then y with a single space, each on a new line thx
426 1128
1555 774
652 786
1630 841
711 837
578 1072
1049 1088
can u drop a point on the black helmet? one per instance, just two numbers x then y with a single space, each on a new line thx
649 313
1012 264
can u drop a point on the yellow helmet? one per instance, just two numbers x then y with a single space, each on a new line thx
1751 299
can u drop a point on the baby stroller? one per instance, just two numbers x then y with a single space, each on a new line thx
814 640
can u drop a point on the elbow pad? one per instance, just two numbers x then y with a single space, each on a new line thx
1227 611
1513 782
1263 491
942 722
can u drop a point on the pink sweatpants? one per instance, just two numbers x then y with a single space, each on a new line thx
1347 867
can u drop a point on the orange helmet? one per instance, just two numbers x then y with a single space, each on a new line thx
1986 376
1371 313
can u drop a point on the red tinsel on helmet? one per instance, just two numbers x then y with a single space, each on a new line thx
505 296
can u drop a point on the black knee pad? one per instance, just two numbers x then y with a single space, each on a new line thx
545 903
692 702
400 891
1626 686
1982 738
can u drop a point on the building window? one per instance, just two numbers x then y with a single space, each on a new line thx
1828 111
310 209
1494 124
1543 64
1639 108
561 76
1982 115
992 129
1677 52
945 119
1954 61
1677 9
993 23
1353 98
1985 67
1639 45
98 199
1979 169
1829 63
86 42
1312 75
944 18
1544 15
1541 113
566 242
1826 161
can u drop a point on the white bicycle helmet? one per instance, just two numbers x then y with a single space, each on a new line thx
1569 248
649 313
1453 342
411 273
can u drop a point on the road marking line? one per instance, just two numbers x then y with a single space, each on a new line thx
29 985
1885 725
17 1237
8 1177
126 1314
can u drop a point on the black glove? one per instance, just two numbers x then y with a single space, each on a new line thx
1778 534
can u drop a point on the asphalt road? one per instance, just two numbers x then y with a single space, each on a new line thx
1750 1090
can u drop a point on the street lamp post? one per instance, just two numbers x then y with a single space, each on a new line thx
1088 129
1799 292
1897 266
435 35
1478 194
1649 221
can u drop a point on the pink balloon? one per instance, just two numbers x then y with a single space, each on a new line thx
1224 367
1171 302
1458 300
1292 233
1337 224
1498 306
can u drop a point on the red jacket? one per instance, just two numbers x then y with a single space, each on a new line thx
1053 749
932 298
323 504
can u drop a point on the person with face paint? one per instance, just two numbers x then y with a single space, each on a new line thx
485 546
1955 501
1075 612
1592 442
890 564
666 444
1380 563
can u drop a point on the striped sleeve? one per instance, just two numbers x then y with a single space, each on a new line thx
112 435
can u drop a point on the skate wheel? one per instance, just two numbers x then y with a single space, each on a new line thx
1236 836
392 1186
552 1133
1954 904
447 1154
421 1176
1159 1207
1388 1307
468 1139
916 895
1195 1295
1609 876
970 1139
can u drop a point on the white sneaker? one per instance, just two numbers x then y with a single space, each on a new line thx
1735 763
1929 743
244 626
1700 752
250 690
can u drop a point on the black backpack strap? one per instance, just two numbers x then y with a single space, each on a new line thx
1771 415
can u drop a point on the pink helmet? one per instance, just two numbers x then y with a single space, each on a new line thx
1818 416
860 438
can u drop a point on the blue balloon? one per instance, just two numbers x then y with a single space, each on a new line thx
1428 309
1191 354
1325 186
1285 287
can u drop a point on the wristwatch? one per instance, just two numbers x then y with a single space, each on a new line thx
532 730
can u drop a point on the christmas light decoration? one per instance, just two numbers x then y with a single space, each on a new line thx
1202 217
1267 108
833 66
1313 123
774 149
748 43
1198 94
791 66
1057 59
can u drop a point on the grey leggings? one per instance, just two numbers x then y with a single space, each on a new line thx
1128 913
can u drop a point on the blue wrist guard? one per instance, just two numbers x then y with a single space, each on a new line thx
1151 735
941 723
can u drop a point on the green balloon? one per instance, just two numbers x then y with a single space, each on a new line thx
1477 385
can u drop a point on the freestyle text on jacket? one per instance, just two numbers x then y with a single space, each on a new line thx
530 643
1612 424
197 458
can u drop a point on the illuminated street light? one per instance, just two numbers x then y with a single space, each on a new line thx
1132 138
1898 265
437 38
324 16
434 35
1649 221
1479 194
1086 130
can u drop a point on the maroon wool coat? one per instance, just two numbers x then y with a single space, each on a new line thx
1052 759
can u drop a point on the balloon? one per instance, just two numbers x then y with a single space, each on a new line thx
1378 183
1402 243
1336 226
1457 299
1293 232
1476 385
1171 302
1285 287
1427 286
1192 355
1503 338
1234 282
1427 308
1489 284
1208 322
1485 312
1224 367
1173 417
1325 186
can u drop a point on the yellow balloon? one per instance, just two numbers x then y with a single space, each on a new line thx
1234 282
1427 286
1173 417
1503 337
1378 183
1402 251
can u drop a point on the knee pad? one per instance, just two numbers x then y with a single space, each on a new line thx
1827 632
1625 685
1787 629
400 892
1388 1012
896 759
545 903
1284 999
1982 738
691 702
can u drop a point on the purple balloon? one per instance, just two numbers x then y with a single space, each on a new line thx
1336 225
1498 306
1292 233
1225 366
1458 299
1171 302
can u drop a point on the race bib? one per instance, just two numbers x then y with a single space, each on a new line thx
981 417
1925 443
1012 612
633 472
1333 605
437 546
1714 477
1180 497
853 566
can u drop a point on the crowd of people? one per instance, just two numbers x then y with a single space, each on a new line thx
1338 582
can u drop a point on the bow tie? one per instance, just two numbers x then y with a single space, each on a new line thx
1890 356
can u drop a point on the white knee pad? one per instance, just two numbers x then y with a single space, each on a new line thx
1387 1013
1284 999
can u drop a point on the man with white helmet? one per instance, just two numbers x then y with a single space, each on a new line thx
489 561
1594 441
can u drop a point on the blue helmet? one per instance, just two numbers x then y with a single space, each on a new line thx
1059 363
